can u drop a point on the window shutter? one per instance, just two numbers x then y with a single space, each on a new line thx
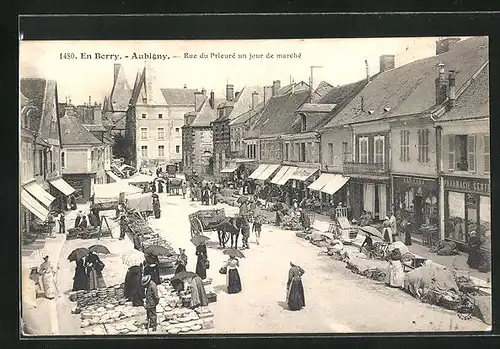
472 152
451 152
419 146
486 141
402 147
408 145
427 159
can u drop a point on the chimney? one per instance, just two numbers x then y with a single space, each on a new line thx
445 44
386 63
212 100
97 116
199 98
90 101
117 67
367 71
441 85
451 87
236 95
255 99
229 92
204 91
267 93
150 83
276 87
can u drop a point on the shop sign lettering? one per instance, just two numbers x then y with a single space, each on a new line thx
466 184
416 182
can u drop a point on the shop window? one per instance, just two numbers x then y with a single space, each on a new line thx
423 146
330 154
462 153
471 152
405 146
161 150
486 141
161 133
485 218
177 149
456 216
144 150
309 152
144 133
363 150
379 149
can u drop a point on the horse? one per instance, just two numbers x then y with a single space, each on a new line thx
232 227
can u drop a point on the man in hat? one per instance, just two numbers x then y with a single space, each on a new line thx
151 301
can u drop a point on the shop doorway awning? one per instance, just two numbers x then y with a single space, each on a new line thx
33 206
280 174
334 183
318 184
303 173
255 174
229 169
268 172
63 186
113 176
286 176
40 194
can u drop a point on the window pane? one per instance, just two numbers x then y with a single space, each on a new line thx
456 222
472 152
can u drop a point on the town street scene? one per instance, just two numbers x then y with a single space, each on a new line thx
181 188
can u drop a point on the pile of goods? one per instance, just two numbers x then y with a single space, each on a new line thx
100 297
108 314
290 220
86 233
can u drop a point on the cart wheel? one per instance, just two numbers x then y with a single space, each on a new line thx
196 227
225 237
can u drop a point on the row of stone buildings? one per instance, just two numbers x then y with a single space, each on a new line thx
413 138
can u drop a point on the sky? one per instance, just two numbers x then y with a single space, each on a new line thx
342 62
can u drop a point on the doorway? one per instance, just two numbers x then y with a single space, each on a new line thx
418 210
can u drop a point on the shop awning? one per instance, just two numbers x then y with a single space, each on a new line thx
280 174
334 183
303 173
33 206
320 182
40 194
113 176
229 169
287 175
255 174
268 172
63 186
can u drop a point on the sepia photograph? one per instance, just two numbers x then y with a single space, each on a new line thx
291 186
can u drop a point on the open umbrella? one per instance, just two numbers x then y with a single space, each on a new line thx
39 254
372 231
157 250
199 239
183 275
99 249
132 258
232 252
242 199
78 254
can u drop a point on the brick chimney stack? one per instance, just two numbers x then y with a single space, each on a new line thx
267 93
367 71
451 87
255 99
212 100
441 85
276 87
386 63
229 92
199 97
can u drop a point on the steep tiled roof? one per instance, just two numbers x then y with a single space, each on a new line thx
298 86
316 108
49 126
206 115
34 91
474 102
410 89
179 96
279 116
244 101
138 84
246 116
74 133
121 92
84 114
94 128
24 100
322 89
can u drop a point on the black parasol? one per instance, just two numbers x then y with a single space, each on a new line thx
199 239
78 254
157 250
183 275
99 249
232 252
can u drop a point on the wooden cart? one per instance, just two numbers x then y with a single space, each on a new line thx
209 220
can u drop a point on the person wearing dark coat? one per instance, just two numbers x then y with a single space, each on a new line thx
78 219
72 202
160 187
133 290
181 262
152 300
474 243
151 267
93 268
304 218
137 242
94 222
201 263
123 227
80 279
295 290
83 223
156 207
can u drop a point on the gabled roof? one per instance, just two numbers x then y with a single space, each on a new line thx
474 102
34 91
279 116
322 89
207 114
244 101
138 85
249 114
85 114
297 86
121 92
74 133
410 89
179 96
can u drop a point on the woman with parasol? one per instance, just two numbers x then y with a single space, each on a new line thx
93 270
133 289
294 288
48 273
201 253
80 280
151 267
230 268
395 274
156 206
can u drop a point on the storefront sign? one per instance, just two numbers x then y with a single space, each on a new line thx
471 185
416 182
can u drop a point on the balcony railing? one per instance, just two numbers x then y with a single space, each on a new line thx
371 168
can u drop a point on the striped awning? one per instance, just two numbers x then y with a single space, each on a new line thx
320 182
280 174
303 173
268 172
40 194
33 206
255 174
286 176
334 183
63 186
229 169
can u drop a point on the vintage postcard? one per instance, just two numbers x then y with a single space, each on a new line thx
255 186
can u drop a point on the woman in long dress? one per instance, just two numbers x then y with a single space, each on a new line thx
233 281
48 273
93 270
201 266
80 278
395 276
295 290
133 290
181 262
198 294
151 267
386 230
156 206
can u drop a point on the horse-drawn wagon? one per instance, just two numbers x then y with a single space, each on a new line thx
214 220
